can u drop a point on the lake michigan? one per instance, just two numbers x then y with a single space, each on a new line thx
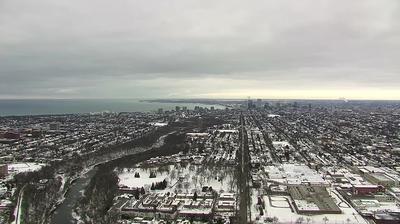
10 107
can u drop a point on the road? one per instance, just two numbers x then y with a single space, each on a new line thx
243 176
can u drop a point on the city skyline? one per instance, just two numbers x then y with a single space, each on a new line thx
200 49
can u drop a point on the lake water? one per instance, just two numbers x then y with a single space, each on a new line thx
40 107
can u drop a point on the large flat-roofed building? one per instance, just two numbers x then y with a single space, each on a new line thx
313 200
381 179
367 189
381 176
294 174
386 218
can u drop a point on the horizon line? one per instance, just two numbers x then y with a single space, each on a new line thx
200 98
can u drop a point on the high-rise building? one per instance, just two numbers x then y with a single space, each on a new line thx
177 108
259 103
160 110
250 104
266 105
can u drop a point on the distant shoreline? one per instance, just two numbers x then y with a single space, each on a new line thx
52 107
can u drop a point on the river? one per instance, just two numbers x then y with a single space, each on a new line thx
63 213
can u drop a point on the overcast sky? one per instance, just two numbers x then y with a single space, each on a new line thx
200 49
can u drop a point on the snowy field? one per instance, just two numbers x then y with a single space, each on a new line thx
15 168
181 179
127 177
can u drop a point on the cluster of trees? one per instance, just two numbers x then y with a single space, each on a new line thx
195 196
261 205
174 143
98 198
38 200
138 192
153 174
143 141
159 185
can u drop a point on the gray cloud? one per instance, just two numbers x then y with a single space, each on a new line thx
98 48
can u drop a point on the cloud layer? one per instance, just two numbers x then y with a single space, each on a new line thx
204 48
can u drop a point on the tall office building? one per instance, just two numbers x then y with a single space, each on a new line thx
250 104
259 103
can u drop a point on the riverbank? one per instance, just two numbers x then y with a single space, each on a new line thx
86 174
104 181
63 213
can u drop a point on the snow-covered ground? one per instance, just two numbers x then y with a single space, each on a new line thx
127 177
15 168
181 179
